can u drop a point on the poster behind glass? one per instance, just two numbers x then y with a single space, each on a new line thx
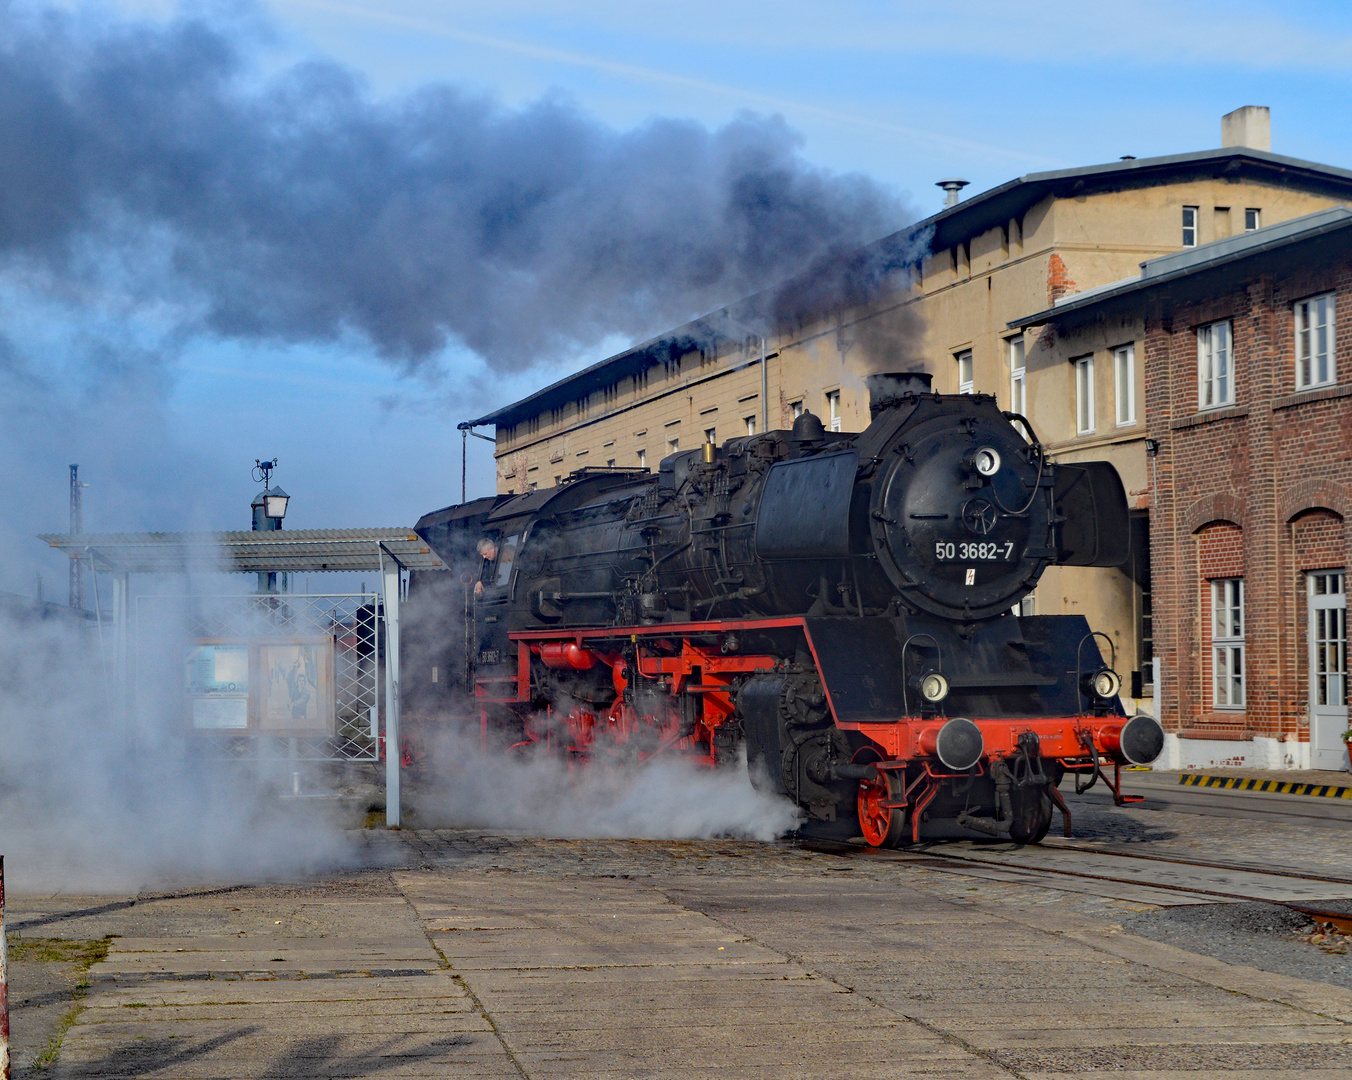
294 687
264 688
217 682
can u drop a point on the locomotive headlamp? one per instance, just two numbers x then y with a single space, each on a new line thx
987 461
1106 683
933 687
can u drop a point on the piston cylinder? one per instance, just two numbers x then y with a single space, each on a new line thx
567 654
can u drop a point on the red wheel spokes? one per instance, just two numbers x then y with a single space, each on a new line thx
874 818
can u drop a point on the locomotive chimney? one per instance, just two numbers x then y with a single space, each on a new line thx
888 388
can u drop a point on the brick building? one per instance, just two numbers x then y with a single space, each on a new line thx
1246 350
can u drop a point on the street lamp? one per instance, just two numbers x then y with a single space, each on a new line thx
269 507
274 504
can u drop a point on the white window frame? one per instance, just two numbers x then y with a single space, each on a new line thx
966 381
750 422
1124 384
711 436
1191 217
1018 383
1315 366
1215 365
1254 214
673 445
833 410
796 408
1228 667
1084 395
643 459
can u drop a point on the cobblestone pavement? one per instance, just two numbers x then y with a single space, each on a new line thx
490 955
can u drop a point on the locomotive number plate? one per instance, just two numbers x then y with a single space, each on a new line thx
974 551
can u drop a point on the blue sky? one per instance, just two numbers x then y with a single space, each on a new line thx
905 93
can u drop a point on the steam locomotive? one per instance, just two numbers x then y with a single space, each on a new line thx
836 606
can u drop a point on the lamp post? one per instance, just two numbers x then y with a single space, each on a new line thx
269 507
466 429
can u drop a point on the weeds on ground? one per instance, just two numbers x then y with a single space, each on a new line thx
82 954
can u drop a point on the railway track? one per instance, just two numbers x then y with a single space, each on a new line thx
1161 880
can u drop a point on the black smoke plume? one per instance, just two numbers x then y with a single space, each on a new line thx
299 207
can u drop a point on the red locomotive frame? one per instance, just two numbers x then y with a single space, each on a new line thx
901 751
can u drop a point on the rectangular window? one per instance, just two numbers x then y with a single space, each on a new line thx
796 407
1314 342
1328 638
673 445
1124 383
1253 219
711 435
1017 386
1084 395
1215 374
833 410
750 425
1189 226
1227 643
965 383
610 463
643 459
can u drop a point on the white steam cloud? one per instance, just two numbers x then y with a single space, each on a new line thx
90 804
662 799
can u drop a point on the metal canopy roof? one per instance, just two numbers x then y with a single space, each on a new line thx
293 550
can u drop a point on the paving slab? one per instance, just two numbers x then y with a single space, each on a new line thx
514 957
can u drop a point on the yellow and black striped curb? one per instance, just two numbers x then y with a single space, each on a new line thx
1283 787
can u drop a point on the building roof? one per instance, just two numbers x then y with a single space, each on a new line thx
950 226
1216 255
289 550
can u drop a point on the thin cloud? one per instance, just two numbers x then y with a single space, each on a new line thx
735 94
1145 32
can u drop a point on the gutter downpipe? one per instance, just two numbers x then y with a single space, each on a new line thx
765 389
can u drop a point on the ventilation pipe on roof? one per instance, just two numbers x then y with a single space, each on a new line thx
952 185
1250 126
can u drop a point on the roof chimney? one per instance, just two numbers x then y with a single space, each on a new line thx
1250 126
952 185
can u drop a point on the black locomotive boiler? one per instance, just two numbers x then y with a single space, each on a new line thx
837 606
